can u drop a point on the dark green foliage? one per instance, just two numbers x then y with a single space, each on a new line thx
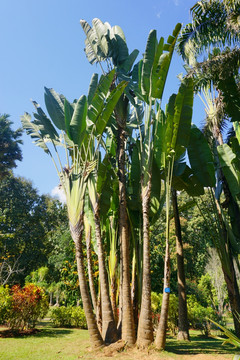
27 223
10 151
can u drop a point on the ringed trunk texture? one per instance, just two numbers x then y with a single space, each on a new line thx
109 329
128 331
90 272
134 296
183 331
160 340
145 327
95 335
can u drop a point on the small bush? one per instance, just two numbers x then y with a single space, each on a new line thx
78 318
61 316
198 315
69 317
5 304
28 304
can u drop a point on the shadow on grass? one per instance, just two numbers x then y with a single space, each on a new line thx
199 345
44 332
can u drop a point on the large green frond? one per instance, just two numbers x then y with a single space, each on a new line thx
200 157
55 107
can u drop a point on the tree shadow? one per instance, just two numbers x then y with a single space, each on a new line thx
199 345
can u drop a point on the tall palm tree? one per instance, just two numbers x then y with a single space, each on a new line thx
152 72
214 24
76 138
171 142
106 43
183 330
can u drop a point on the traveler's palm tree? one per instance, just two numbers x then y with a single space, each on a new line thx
107 46
79 123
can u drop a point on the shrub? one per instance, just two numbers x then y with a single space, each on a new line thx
156 300
28 304
198 315
5 304
78 318
61 316
69 317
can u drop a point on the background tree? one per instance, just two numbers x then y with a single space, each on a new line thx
10 151
27 222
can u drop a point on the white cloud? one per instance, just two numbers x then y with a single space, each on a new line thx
159 14
176 2
59 194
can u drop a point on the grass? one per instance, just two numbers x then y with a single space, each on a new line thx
72 344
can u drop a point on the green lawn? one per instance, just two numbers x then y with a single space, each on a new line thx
73 344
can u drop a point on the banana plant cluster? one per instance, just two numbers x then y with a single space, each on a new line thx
124 154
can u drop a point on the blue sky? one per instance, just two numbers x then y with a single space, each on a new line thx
42 44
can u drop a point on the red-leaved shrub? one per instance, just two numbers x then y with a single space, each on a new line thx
28 305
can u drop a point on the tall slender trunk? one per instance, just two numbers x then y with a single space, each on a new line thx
90 271
160 340
145 328
233 295
114 294
95 336
134 292
109 329
230 276
128 332
183 331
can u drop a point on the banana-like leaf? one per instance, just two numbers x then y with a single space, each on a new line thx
236 126
111 102
55 107
33 130
47 129
153 73
179 165
68 111
78 121
110 142
98 100
128 63
102 31
200 157
188 182
92 88
169 127
232 339
119 46
95 49
148 60
104 174
231 169
160 144
164 64
182 118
